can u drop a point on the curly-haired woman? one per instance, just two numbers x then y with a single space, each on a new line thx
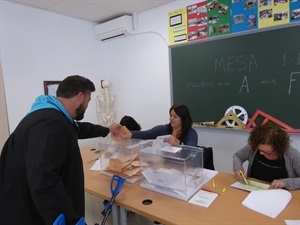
271 157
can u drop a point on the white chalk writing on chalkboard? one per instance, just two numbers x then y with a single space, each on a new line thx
245 85
286 60
268 82
236 63
223 84
199 84
292 80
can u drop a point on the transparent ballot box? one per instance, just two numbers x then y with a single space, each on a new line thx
122 158
174 171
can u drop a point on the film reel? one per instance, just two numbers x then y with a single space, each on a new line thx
240 112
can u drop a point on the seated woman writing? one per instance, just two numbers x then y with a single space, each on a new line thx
271 157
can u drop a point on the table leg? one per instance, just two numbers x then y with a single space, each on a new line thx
115 214
123 216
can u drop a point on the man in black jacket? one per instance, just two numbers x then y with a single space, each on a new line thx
41 172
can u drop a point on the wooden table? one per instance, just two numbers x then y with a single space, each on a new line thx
227 209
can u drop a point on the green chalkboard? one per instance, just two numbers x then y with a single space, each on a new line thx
255 70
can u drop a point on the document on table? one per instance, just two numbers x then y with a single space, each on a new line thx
208 175
268 202
203 198
251 186
97 165
292 222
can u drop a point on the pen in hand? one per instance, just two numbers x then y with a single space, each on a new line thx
242 174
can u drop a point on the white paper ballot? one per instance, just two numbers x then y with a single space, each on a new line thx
97 165
251 186
203 198
170 149
268 202
292 222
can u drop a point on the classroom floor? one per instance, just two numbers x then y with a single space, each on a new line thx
94 207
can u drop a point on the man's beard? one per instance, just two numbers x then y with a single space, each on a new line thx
79 113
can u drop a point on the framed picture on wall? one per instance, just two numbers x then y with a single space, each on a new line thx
50 87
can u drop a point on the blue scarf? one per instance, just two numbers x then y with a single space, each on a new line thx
47 102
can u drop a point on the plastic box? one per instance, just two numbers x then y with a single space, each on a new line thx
174 171
122 158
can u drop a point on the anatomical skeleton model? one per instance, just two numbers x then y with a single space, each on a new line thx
106 105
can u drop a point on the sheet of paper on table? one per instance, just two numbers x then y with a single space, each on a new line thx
251 186
292 222
203 198
268 202
97 165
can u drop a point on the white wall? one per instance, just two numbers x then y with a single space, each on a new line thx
38 45
141 77
3 113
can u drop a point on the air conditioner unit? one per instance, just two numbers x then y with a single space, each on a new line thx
115 28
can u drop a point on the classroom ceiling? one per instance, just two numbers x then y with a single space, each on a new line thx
97 11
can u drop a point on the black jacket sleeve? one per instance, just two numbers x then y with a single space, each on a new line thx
89 130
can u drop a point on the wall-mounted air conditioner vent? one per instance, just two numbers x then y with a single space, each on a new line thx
114 29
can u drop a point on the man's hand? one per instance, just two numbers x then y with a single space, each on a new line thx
114 129
125 133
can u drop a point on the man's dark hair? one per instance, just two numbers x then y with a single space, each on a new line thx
74 84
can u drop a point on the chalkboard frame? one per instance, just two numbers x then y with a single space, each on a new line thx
190 103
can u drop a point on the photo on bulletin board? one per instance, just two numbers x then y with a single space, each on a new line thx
50 87
295 11
175 20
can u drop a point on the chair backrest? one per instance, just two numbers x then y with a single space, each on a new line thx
208 158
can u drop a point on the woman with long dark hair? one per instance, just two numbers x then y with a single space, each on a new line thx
179 128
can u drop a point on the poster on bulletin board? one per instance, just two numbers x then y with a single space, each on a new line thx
218 17
197 21
244 15
210 18
295 11
177 26
273 12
